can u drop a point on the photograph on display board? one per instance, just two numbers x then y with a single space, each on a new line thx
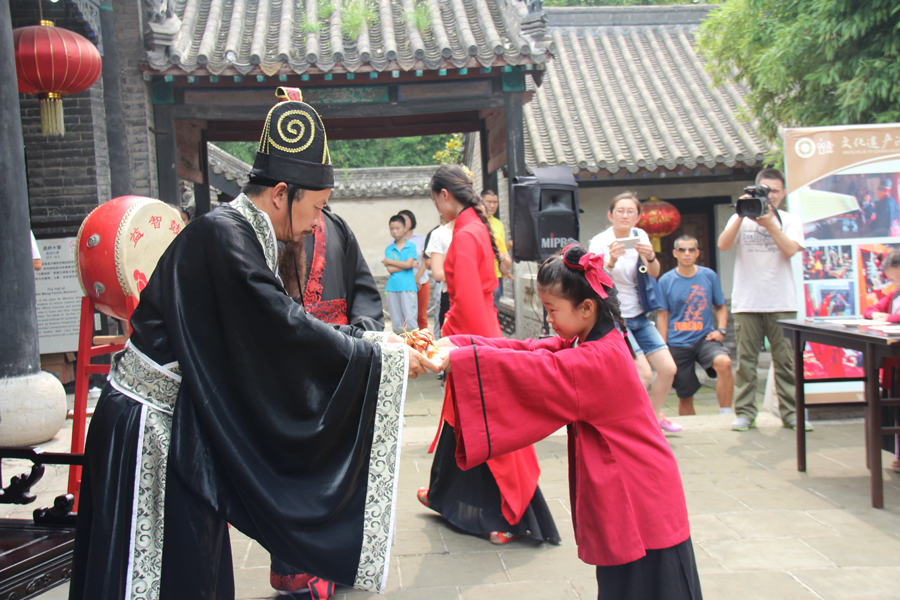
862 205
824 362
872 284
830 299
827 262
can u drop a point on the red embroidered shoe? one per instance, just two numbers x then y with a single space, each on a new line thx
319 589
422 495
288 583
502 537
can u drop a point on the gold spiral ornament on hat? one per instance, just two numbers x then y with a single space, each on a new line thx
287 130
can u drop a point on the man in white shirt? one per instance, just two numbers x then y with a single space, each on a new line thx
763 293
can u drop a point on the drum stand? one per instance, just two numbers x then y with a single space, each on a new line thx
90 346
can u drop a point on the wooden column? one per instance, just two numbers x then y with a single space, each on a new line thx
201 190
515 135
18 319
166 148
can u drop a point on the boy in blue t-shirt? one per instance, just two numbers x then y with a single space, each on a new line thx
400 260
687 296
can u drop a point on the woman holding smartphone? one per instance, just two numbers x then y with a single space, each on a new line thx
623 258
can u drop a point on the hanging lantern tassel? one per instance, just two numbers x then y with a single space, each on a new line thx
52 122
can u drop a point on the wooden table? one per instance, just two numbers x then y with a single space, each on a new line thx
875 348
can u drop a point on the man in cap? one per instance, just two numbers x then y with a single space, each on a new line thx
231 405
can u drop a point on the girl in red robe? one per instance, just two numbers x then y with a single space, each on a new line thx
501 499
628 505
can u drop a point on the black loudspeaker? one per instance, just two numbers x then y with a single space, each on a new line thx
544 213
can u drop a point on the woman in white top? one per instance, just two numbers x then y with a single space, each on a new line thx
436 250
648 345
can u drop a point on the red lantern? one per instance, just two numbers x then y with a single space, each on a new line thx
658 219
52 62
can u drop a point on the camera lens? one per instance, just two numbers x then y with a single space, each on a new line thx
748 207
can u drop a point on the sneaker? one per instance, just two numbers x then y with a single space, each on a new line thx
422 495
668 426
793 425
502 537
742 424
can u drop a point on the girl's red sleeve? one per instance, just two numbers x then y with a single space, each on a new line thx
552 344
506 400
882 305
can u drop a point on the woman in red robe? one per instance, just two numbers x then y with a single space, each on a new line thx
500 499
628 505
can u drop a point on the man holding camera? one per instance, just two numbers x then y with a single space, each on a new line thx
763 293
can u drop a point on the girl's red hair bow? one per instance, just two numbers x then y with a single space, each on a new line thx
592 265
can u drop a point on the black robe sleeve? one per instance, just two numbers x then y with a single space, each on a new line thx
283 424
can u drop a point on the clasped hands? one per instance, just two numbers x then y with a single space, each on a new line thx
419 364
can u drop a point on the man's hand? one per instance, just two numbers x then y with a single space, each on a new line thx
419 365
715 336
767 220
444 342
879 316
445 366
393 338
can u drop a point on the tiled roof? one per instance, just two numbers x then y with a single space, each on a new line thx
227 165
378 182
382 182
633 97
281 36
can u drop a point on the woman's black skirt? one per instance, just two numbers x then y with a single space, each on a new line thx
667 574
470 500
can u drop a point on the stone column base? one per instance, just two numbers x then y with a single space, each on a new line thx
32 409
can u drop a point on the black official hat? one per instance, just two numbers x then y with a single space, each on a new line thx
293 147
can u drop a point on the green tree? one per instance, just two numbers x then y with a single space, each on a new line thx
620 2
808 63
354 154
451 153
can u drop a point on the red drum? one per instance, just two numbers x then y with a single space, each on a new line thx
118 246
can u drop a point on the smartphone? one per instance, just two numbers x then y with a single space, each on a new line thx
628 242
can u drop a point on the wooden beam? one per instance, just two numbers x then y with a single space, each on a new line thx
358 133
359 128
337 111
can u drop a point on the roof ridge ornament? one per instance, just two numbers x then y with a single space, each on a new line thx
161 27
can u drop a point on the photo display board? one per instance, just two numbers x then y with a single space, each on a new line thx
843 183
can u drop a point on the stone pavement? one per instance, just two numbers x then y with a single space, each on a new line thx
761 530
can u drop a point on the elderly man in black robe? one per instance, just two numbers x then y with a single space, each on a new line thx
337 288
230 404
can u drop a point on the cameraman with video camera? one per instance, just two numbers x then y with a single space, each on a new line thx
764 239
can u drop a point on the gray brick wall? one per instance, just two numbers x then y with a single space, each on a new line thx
136 96
69 176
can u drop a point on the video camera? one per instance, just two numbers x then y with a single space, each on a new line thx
756 205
